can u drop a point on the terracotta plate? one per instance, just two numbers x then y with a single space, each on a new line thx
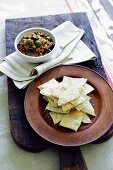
101 99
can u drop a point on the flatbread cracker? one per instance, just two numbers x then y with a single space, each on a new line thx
51 83
56 92
72 120
76 82
67 107
71 88
52 99
56 117
68 95
86 107
87 89
80 100
86 119
50 106
46 88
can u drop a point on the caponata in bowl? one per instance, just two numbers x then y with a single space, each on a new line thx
36 44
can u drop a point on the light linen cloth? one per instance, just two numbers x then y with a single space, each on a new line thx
70 50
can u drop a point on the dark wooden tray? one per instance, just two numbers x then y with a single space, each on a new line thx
21 131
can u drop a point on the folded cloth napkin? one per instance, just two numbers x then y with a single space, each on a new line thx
68 37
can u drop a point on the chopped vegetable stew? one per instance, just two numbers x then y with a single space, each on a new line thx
36 44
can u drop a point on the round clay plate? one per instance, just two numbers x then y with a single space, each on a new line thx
101 99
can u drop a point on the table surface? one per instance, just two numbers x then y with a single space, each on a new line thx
97 157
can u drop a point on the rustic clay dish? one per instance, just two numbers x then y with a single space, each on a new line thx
101 99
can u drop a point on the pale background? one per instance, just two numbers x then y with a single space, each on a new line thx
97 157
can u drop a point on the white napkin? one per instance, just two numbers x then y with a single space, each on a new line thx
68 37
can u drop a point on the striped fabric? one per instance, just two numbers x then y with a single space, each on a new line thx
105 63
